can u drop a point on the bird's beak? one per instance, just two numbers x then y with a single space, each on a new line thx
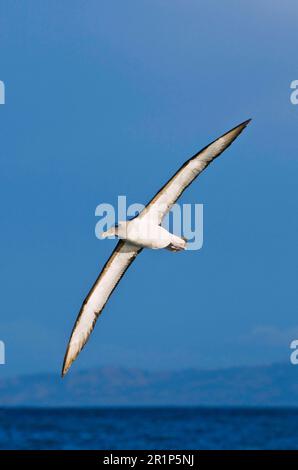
108 233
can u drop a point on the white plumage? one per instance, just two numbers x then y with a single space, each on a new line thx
144 231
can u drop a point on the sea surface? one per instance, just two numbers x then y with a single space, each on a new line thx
149 428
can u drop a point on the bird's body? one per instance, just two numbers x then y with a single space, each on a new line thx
144 231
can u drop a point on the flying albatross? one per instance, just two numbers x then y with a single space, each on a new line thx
144 231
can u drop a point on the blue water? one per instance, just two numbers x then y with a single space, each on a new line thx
183 428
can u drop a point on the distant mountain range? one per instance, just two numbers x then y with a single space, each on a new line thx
274 385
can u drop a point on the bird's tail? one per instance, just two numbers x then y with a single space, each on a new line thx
177 243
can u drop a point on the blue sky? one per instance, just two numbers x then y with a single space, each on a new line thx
109 98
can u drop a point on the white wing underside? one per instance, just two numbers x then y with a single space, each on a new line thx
125 252
119 261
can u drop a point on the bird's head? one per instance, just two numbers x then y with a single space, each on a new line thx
117 230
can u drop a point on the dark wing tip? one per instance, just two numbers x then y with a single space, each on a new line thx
64 369
236 131
240 127
67 362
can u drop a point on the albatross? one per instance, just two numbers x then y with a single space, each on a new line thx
144 231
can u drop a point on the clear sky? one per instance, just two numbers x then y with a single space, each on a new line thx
109 98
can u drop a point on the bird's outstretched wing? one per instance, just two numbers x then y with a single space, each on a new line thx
162 202
119 261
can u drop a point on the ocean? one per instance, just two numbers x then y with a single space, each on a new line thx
149 428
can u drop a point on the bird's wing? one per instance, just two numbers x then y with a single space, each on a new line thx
121 258
170 192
